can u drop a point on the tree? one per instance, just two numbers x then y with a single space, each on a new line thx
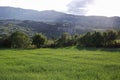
86 40
19 40
118 31
97 39
94 39
39 40
75 38
109 37
1 42
64 40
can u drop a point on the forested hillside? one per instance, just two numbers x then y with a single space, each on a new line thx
52 23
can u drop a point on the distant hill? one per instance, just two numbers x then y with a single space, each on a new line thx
30 27
54 23
27 14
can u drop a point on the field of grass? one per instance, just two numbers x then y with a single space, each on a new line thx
60 64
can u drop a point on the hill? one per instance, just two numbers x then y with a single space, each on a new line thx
54 23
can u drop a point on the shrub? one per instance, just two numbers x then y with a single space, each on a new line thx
19 40
39 40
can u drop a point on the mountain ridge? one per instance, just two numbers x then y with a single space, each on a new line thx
54 22
20 11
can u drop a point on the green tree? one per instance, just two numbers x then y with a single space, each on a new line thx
39 40
1 42
75 38
97 39
109 37
86 40
19 40
118 32
64 40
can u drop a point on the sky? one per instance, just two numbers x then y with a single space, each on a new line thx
78 7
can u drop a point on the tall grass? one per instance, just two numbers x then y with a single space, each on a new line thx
60 64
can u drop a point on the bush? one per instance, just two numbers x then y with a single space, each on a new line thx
19 40
64 40
39 40
97 39
109 37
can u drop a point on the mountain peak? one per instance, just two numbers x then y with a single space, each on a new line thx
28 14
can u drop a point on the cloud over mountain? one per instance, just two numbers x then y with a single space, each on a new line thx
78 6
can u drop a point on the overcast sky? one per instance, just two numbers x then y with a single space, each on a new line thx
78 7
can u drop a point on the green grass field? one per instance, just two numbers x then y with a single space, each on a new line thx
60 64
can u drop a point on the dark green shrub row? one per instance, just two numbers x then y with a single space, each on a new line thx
91 39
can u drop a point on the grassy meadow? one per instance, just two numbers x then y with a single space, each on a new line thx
60 64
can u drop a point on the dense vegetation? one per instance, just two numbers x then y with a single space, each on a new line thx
39 40
97 39
60 64
19 39
30 27
70 47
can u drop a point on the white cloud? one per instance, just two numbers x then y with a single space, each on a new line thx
59 5
104 8
78 7
98 7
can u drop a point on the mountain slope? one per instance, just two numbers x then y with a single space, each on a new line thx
26 14
30 27
58 17
54 23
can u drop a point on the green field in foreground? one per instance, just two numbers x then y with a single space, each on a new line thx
60 64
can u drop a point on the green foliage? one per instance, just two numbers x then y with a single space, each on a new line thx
1 42
118 31
19 40
97 39
39 40
85 40
8 28
7 42
75 38
109 37
64 40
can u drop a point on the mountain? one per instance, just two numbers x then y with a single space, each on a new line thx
31 27
52 22
27 14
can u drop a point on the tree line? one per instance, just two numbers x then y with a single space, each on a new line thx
18 39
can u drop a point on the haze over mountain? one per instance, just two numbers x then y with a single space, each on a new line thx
61 22
78 7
